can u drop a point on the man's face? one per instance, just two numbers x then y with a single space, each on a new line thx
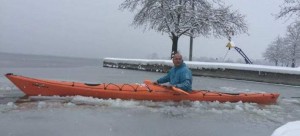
177 60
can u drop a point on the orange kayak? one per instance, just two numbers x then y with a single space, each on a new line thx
146 91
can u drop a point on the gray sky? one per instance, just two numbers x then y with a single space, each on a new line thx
97 29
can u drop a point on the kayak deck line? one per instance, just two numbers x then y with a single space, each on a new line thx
147 91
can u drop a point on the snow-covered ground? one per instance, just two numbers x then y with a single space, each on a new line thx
210 65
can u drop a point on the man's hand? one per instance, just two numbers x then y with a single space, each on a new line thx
167 86
155 82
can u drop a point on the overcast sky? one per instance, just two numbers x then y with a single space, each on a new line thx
98 29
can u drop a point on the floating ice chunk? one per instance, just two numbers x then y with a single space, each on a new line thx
11 105
69 104
216 111
239 108
6 88
41 104
7 107
105 102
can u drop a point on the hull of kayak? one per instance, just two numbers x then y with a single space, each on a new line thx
147 91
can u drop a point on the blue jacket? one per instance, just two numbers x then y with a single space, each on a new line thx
180 77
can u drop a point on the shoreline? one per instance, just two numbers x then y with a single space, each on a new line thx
249 72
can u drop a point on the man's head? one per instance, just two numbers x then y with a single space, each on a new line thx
177 59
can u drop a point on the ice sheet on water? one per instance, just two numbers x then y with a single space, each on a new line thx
228 89
11 105
7 107
69 104
81 100
185 108
291 101
171 108
250 111
50 98
8 90
41 104
109 109
7 87
105 102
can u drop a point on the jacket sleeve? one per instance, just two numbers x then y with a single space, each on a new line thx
164 79
186 83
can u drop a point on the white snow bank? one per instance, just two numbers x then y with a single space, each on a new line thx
210 65
289 129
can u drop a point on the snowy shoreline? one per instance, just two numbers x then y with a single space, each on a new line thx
260 73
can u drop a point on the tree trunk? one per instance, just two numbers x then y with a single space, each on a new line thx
293 63
191 49
294 56
191 37
174 45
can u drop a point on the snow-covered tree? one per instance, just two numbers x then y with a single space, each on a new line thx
289 8
186 17
276 52
293 42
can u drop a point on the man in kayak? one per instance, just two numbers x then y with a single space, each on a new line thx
179 76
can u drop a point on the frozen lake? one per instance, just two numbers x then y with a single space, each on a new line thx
77 116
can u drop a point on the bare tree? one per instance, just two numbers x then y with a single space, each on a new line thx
293 42
276 51
186 17
289 8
